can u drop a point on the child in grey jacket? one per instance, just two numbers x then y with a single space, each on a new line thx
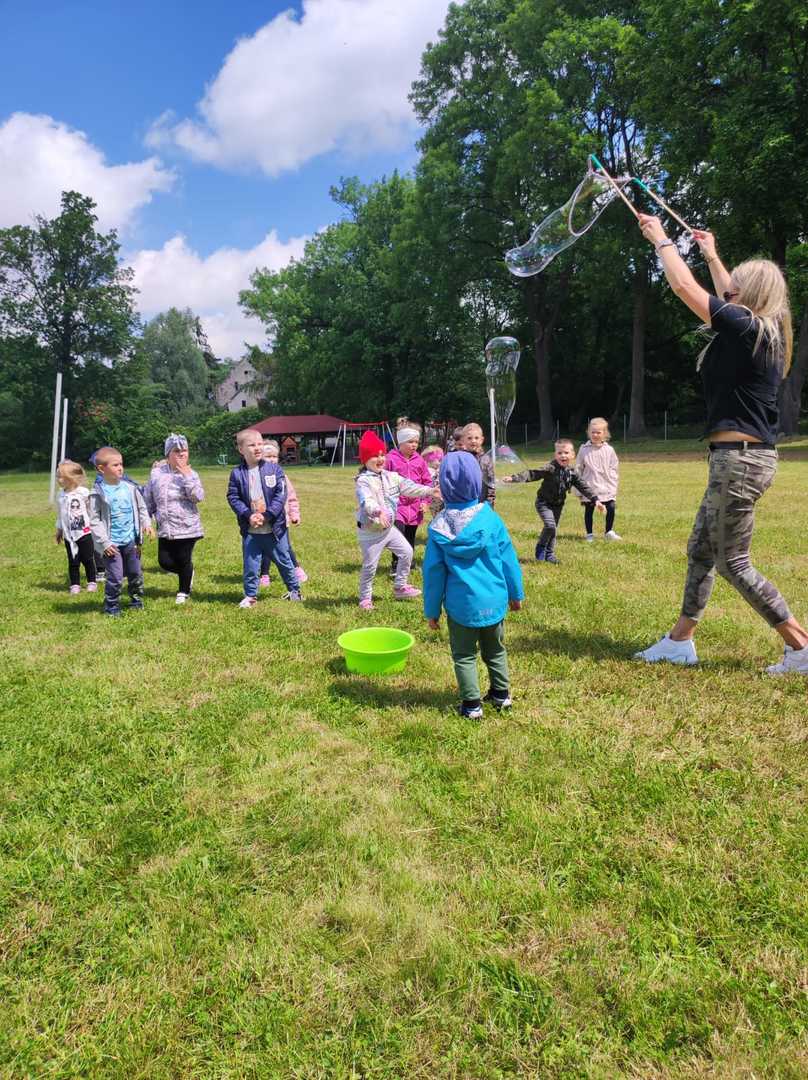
119 520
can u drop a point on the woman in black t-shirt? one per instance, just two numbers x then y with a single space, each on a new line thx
741 370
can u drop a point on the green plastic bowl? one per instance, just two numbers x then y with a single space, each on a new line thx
376 650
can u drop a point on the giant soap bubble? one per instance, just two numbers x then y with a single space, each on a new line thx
564 226
501 361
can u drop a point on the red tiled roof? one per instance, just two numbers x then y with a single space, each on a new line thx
299 425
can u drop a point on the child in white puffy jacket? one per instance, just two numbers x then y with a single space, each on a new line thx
377 495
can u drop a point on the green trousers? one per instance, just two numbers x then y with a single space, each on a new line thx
463 641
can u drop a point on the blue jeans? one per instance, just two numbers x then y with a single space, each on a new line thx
125 563
254 545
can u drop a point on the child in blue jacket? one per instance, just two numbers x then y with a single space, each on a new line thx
471 570
257 496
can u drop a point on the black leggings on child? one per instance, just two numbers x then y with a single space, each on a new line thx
176 557
85 556
589 516
408 532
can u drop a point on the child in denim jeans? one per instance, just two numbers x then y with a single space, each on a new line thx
119 520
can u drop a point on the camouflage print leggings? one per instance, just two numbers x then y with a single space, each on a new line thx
722 534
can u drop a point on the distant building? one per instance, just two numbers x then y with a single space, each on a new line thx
233 394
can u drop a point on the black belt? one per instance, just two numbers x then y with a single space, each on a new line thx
742 445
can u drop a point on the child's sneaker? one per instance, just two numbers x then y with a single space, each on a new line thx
264 580
541 554
302 576
612 535
499 701
92 586
113 613
670 651
75 590
551 558
293 594
248 601
590 538
181 598
406 592
794 662
136 605
471 710
366 605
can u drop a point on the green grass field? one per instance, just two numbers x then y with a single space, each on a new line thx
224 857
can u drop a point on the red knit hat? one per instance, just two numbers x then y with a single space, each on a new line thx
369 446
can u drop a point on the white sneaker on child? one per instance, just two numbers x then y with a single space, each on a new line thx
590 538
612 535
75 590
181 598
91 586
794 662
666 649
248 601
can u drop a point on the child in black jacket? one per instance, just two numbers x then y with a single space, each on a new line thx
557 477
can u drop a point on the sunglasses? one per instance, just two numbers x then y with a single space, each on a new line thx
729 295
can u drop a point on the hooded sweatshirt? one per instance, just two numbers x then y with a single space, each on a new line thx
470 567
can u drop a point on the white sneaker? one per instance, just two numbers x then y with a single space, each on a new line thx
674 652
612 535
181 598
590 538
795 661
248 601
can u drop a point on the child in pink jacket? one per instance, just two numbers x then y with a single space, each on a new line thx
598 466
407 462
272 453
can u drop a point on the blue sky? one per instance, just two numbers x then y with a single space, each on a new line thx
208 134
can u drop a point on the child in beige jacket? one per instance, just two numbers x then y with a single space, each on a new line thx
597 464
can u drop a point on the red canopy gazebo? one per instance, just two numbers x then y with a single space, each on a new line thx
277 427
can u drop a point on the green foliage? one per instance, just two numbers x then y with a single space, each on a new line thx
216 435
176 362
358 327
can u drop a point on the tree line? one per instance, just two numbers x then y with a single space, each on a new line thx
389 308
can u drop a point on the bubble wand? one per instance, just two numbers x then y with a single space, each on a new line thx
663 204
616 187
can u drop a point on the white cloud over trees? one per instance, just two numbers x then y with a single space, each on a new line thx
177 276
41 157
336 78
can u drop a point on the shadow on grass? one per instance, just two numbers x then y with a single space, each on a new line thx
600 647
366 691
565 643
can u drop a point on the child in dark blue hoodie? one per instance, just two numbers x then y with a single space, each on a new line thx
471 570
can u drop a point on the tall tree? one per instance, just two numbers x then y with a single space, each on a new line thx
515 95
171 347
62 286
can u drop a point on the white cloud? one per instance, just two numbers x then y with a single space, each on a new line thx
41 157
336 78
176 276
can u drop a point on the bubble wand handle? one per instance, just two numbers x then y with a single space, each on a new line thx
662 203
493 431
615 186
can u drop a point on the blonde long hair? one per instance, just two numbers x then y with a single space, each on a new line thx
763 291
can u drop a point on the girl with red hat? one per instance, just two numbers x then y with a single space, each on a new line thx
377 495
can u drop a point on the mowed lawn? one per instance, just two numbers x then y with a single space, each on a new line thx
222 856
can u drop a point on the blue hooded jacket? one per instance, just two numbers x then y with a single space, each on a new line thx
470 567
